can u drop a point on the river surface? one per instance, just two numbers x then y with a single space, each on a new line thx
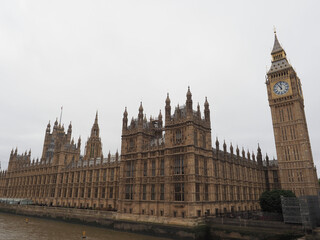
15 227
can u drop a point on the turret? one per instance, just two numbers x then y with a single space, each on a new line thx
95 128
160 119
79 142
125 119
267 160
198 111
206 111
217 144
168 109
48 129
69 132
259 156
140 115
189 103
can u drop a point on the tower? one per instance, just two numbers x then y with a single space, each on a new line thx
93 147
296 167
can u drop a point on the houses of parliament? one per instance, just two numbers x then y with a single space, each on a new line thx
169 166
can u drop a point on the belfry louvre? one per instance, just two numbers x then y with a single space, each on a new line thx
168 166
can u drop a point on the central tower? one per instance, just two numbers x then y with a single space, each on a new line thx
296 168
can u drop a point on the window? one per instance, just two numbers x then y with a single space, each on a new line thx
111 192
196 167
162 167
205 167
97 176
178 164
153 168
203 140
162 191
96 192
103 192
178 136
179 191
145 168
206 192
89 192
195 136
144 192
217 192
129 168
197 192
153 192
112 174
129 191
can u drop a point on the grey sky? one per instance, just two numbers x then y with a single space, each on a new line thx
105 55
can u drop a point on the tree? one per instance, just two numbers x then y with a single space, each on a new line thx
270 201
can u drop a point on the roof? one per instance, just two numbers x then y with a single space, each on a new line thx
276 46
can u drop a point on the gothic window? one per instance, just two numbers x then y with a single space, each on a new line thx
195 136
145 168
153 167
105 175
153 192
203 140
96 192
129 191
224 193
179 191
161 191
162 167
112 174
82 192
129 168
197 192
205 167
144 192
178 136
89 192
206 192
103 192
238 193
111 192
97 176
178 164
217 192
231 193
196 167
92 150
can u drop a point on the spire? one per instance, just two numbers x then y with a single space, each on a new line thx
95 127
125 119
167 109
96 119
189 102
276 45
206 110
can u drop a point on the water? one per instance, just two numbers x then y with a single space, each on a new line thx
14 227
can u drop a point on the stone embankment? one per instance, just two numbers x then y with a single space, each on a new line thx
165 227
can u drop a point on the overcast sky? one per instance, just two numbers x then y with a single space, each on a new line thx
105 55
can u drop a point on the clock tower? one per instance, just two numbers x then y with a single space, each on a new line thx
296 167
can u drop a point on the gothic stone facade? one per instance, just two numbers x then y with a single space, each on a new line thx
166 169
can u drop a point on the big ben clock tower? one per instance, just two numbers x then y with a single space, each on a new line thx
296 168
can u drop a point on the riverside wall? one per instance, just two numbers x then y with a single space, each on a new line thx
165 227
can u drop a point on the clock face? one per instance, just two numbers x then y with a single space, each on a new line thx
281 88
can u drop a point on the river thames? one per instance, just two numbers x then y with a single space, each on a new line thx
15 227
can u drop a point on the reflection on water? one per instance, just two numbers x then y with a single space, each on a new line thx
15 227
